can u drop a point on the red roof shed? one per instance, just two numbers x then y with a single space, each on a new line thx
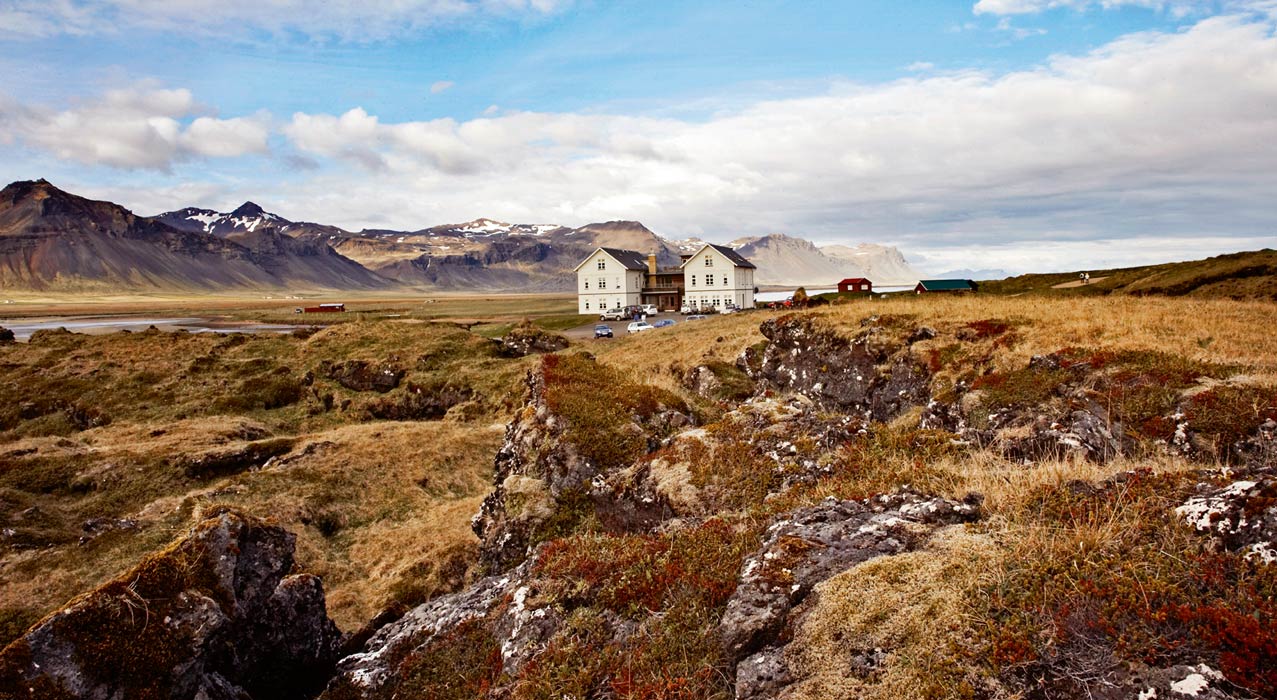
855 284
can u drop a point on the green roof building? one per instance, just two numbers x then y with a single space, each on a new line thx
945 286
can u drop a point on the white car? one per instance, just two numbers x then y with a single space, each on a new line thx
650 309
638 327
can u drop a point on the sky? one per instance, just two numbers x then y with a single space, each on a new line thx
1021 135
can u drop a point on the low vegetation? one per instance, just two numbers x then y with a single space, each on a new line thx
1250 275
1077 568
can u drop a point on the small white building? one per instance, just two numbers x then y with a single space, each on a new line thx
716 276
610 278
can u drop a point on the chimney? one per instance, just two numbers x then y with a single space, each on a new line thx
651 263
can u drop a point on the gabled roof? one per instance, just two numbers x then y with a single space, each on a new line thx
946 285
732 256
854 280
629 259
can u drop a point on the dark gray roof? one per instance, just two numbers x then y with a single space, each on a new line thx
632 260
732 255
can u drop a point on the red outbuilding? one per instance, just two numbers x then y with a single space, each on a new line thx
855 284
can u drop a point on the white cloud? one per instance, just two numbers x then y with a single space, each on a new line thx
440 86
1154 133
349 20
1179 8
139 128
1154 145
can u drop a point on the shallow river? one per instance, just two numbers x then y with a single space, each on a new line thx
23 327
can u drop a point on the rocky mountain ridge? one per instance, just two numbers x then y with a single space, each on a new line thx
70 243
54 240
489 254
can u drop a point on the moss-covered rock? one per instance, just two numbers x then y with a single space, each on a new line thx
214 615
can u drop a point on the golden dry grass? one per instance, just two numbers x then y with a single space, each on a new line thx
1221 331
377 505
371 501
914 608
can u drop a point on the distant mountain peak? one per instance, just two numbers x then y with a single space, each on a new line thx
248 209
38 189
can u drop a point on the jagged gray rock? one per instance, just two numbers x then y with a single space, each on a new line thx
806 547
806 357
540 473
1240 516
216 615
362 375
527 339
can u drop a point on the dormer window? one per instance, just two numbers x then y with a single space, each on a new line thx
602 265
709 262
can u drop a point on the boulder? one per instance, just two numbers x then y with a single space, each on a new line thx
552 472
215 615
1239 517
866 375
419 402
240 458
808 546
493 607
362 375
6 336
526 339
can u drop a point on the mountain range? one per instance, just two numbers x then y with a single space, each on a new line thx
54 240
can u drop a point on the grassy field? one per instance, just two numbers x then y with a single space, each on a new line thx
109 445
1250 275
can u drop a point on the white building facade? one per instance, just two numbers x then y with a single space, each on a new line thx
717 276
610 278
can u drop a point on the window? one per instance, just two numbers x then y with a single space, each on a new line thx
709 262
602 283
724 280
693 280
587 306
587 284
602 264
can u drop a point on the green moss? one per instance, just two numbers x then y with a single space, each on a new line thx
14 621
574 512
600 407
460 665
1021 388
735 385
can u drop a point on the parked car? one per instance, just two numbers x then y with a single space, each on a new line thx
650 309
638 327
696 317
602 331
663 323
686 310
729 309
613 315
